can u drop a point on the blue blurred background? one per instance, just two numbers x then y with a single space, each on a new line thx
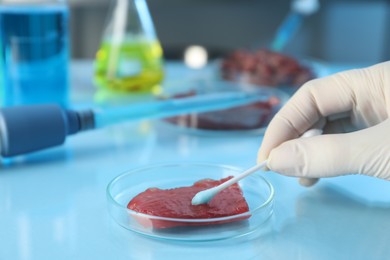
348 31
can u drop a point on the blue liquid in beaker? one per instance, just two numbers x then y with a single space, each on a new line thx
34 54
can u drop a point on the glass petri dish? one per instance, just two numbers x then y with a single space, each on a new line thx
311 68
249 119
257 191
265 67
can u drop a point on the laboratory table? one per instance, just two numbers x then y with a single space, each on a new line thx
53 203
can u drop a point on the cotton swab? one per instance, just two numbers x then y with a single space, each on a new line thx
205 196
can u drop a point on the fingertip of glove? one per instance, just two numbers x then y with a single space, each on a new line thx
286 159
270 161
308 182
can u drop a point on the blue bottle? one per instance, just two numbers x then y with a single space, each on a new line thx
34 52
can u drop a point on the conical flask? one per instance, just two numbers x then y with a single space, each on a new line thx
130 55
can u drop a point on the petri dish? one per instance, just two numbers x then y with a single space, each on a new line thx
245 120
265 67
274 69
257 191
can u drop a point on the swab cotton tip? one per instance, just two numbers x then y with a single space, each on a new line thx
205 196
202 197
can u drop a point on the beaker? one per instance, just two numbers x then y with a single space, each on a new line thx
34 52
130 55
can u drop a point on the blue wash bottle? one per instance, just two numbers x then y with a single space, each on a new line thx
34 52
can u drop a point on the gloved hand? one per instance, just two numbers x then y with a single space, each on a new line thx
353 110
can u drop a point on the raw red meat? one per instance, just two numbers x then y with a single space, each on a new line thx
247 117
265 68
176 203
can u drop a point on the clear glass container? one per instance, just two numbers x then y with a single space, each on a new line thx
130 55
34 55
245 120
257 191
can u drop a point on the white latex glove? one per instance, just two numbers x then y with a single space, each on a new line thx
353 109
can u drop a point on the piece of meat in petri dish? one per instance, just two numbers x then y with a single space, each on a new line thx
247 117
176 203
264 67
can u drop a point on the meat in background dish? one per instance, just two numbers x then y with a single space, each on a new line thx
247 117
265 68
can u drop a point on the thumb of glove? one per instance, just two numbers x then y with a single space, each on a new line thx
362 152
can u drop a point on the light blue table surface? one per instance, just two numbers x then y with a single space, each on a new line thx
53 203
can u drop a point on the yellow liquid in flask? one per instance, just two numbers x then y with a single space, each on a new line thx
129 66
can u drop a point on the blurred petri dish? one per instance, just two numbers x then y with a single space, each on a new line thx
250 119
257 191
266 67
319 68
274 69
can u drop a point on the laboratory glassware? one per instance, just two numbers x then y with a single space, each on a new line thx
130 54
34 52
